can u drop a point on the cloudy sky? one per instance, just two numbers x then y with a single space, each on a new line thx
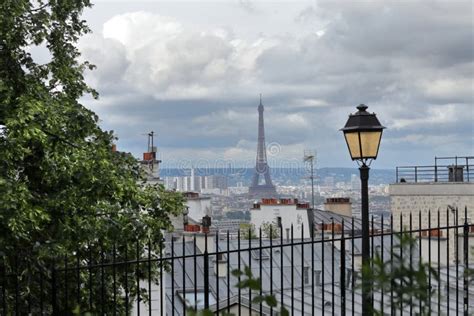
193 71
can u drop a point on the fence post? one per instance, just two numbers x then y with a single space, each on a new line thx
17 287
206 275
416 174
466 263
53 289
467 168
3 292
343 272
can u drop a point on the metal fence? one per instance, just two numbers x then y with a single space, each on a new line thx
308 276
445 169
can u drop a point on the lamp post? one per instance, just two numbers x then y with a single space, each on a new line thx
363 133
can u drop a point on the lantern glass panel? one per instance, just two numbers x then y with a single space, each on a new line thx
352 139
370 143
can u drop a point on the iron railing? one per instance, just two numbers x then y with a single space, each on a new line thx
317 275
445 169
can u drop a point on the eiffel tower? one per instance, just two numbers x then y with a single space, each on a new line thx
266 190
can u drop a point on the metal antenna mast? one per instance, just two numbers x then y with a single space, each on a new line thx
309 157
150 141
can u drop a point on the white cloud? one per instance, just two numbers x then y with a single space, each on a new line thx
448 88
168 61
435 115
138 29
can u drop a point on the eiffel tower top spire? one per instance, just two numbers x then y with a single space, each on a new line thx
261 148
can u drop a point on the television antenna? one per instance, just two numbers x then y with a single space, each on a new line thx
150 157
309 158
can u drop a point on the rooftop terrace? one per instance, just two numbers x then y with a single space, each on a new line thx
445 169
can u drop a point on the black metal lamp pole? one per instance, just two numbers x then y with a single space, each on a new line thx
363 133
364 195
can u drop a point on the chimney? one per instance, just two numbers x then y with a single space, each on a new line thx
339 205
206 224
357 262
185 217
456 173
220 265
204 239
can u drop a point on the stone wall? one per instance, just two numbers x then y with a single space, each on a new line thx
437 199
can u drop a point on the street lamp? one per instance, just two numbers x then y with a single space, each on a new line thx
363 133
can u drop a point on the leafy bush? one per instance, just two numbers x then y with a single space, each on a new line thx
409 282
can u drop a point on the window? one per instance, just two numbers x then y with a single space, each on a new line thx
278 221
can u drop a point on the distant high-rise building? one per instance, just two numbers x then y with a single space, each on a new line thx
192 180
170 183
355 182
215 182
180 183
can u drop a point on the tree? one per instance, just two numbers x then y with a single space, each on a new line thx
65 196
247 231
271 230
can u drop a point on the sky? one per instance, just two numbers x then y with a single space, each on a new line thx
192 71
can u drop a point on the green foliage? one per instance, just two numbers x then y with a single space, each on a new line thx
247 231
64 194
248 281
270 230
409 282
204 312
469 272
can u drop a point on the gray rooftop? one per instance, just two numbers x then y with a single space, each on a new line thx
307 269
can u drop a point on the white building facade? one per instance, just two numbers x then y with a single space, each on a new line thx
284 212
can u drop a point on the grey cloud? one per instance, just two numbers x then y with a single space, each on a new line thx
412 63
418 29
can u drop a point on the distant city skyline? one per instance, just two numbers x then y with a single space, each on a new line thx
192 72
